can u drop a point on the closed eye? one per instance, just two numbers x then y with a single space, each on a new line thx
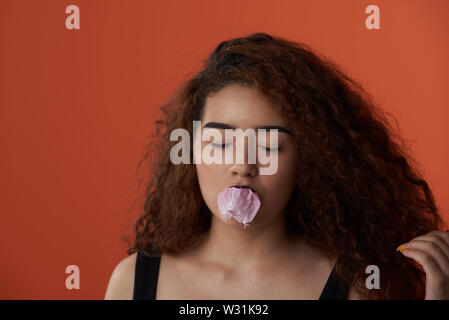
220 145
271 149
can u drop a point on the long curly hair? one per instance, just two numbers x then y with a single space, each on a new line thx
360 192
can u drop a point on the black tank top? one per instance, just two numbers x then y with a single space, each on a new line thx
147 272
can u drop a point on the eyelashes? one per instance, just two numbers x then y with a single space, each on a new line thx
219 145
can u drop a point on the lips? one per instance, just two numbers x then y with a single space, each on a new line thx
243 187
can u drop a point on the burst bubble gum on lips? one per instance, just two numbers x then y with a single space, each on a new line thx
241 204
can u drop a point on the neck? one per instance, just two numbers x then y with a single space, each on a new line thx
231 246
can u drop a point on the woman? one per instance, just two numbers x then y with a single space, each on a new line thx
344 196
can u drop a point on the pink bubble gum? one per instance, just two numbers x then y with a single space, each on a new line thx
241 204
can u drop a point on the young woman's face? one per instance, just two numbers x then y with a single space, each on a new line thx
241 107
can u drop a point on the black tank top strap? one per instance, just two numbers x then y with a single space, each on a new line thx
146 276
335 289
147 273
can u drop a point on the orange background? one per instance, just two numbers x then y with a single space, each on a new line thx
77 107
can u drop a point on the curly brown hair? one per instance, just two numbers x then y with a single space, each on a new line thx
360 192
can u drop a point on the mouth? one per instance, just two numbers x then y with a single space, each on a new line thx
244 187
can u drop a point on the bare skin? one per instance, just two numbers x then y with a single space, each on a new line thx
295 276
187 279
230 262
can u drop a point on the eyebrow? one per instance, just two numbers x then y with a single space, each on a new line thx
220 125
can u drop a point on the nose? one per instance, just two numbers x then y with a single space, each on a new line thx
245 169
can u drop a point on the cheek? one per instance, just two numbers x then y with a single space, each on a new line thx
287 163
281 184
287 168
208 174
210 179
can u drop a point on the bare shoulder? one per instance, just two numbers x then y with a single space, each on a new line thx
121 283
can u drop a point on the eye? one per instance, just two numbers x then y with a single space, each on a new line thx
271 149
219 145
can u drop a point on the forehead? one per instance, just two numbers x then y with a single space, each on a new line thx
242 107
